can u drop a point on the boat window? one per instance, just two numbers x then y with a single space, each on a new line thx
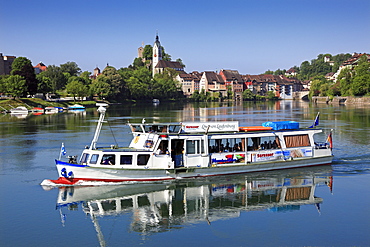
142 159
297 141
108 159
136 128
174 128
94 159
84 158
194 146
126 203
227 145
126 160
109 205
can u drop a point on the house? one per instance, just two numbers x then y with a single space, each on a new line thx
280 85
161 65
95 73
212 82
6 64
234 81
40 67
291 72
189 82
350 63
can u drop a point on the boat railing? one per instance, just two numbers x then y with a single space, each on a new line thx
322 145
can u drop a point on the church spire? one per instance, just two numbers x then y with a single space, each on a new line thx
157 53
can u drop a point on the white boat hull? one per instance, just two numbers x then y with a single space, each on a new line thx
111 174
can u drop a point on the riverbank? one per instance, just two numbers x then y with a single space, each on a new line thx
29 103
342 100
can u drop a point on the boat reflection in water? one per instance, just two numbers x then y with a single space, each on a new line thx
162 206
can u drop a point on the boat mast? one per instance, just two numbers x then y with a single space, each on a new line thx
102 111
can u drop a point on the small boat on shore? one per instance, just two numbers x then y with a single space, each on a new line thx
19 110
194 149
52 109
76 107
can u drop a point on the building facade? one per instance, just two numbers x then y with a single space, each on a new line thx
6 64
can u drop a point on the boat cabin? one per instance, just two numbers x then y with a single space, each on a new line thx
169 146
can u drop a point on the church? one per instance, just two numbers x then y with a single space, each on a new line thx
158 64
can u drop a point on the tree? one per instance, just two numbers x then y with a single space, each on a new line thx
23 66
100 88
45 84
140 83
179 60
164 85
248 95
77 89
148 52
345 80
138 62
3 79
114 79
268 72
56 76
71 68
16 86
361 80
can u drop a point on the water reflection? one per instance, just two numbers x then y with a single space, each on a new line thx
162 207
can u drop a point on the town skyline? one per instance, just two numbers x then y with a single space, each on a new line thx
255 38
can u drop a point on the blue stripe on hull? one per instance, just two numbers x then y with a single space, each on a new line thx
59 162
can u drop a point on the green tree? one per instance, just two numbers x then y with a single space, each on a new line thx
268 72
140 83
148 52
3 82
248 95
165 86
111 76
16 86
101 88
23 66
345 80
56 76
45 84
85 76
361 80
138 62
77 89
71 68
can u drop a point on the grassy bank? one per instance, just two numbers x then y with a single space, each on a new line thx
29 103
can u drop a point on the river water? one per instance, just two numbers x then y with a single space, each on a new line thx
321 206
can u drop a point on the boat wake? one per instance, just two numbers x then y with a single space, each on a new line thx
352 165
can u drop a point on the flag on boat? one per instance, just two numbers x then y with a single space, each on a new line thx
316 122
63 150
330 140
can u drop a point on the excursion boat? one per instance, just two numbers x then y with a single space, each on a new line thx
194 149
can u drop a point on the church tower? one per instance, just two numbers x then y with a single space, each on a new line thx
157 53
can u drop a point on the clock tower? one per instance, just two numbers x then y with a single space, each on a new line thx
157 53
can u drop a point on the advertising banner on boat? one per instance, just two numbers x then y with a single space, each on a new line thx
222 158
196 127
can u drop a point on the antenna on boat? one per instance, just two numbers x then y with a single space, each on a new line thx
102 109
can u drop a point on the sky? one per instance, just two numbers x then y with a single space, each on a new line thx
251 36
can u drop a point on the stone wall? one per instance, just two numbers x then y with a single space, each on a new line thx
341 100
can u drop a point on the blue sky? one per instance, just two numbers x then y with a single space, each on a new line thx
250 36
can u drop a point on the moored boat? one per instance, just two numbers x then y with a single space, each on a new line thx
76 107
19 110
52 109
195 149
